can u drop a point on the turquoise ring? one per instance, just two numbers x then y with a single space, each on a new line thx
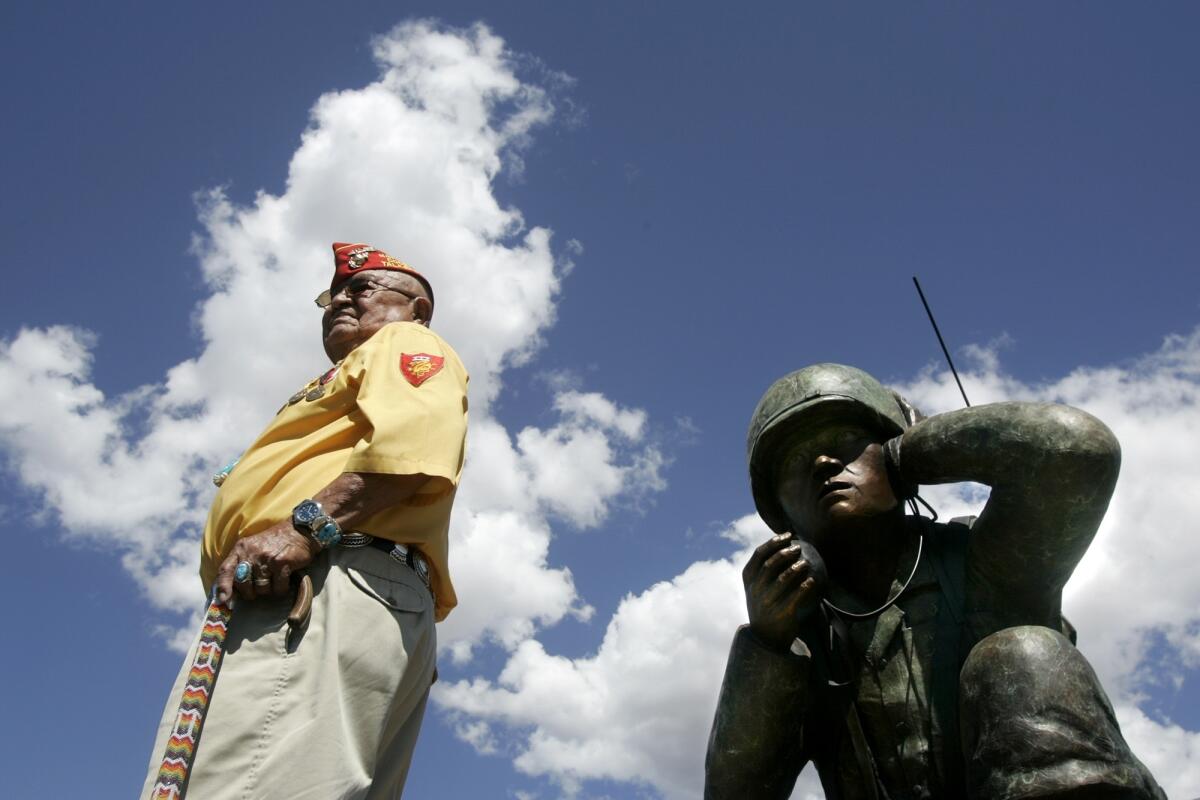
242 573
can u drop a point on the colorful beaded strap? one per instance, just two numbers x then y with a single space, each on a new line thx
181 746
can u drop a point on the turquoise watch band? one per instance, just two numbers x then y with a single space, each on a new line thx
326 531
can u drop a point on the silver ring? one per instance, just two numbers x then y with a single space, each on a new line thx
242 573
261 581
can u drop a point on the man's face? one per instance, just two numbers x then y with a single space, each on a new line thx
365 303
834 478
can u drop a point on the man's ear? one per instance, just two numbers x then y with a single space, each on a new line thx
422 310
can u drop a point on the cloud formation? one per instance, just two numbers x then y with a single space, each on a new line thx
639 709
408 163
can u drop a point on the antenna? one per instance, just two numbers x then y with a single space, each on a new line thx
941 341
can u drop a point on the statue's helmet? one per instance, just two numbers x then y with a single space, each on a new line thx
802 402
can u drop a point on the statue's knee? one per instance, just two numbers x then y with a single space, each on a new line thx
1021 674
1035 722
1024 656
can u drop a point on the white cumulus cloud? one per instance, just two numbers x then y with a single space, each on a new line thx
639 709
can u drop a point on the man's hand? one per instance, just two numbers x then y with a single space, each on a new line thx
274 555
782 587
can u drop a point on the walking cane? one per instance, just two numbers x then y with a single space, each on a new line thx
180 754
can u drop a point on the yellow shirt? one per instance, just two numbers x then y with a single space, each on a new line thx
385 408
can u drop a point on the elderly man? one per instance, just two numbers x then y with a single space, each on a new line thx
352 482
910 659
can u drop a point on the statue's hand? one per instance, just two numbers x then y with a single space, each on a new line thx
891 461
784 581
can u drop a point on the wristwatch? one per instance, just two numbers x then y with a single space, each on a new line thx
310 519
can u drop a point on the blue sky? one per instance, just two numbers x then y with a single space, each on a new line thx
640 216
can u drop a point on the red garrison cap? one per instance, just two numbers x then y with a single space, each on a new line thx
351 258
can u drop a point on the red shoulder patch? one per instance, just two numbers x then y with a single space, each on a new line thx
420 367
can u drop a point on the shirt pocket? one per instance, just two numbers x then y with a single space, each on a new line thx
922 608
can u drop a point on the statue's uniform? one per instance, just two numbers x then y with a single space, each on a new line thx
786 703
964 687
335 712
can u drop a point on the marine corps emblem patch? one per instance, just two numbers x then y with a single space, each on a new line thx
420 367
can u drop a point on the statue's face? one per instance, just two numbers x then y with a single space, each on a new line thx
835 479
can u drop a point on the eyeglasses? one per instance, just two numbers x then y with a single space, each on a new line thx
357 288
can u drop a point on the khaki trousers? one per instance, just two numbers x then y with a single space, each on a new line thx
336 715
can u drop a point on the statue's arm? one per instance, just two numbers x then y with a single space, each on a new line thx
1051 469
756 747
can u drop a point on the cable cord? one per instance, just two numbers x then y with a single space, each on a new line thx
912 504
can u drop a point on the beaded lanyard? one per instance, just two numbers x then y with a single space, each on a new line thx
180 754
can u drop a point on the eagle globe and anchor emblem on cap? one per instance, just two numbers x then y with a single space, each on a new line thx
357 257
420 367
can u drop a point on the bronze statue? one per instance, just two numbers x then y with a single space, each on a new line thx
908 658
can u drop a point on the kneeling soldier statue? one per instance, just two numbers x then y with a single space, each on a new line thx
907 658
